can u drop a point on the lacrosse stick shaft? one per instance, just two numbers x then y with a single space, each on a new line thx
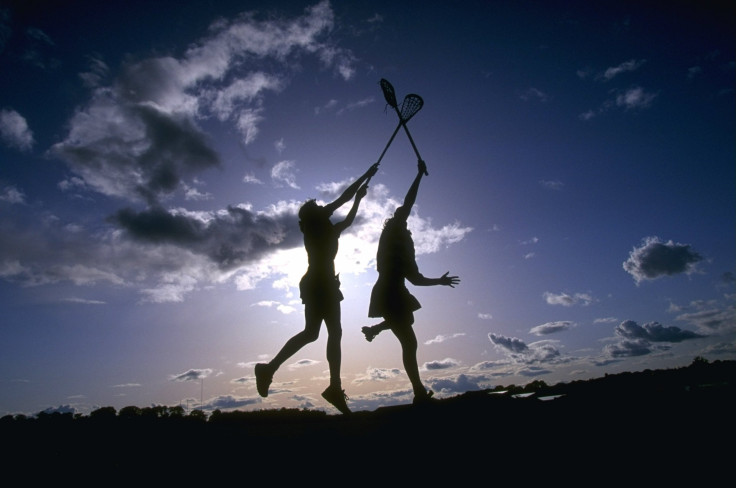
411 139
389 142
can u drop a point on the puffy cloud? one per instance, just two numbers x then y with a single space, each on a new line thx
636 340
229 239
551 327
11 194
509 343
428 239
521 353
381 374
627 348
446 363
224 402
133 151
654 259
654 332
461 384
14 130
139 137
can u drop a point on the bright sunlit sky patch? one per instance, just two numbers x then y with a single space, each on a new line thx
153 157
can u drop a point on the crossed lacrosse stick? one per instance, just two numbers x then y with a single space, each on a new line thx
409 107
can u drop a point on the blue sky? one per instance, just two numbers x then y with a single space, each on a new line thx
153 158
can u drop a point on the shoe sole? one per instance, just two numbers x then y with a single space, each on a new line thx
346 410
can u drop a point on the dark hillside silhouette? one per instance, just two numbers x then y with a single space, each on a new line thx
676 424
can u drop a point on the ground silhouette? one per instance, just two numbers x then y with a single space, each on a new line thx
675 424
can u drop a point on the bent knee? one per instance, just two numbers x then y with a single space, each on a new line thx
310 335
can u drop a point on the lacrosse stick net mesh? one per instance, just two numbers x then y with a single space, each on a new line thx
411 105
388 93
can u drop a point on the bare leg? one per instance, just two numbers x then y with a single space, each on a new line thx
408 341
308 335
334 393
264 371
404 332
334 338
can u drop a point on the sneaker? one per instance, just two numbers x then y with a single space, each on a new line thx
264 376
369 333
337 398
424 399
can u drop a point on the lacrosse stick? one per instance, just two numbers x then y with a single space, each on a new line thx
410 106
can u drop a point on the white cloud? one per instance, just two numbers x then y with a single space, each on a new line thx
284 173
634 98
519 352
247 123
567 300
14 130
605 320
551 327
446 363
11 194
624 67
139 137
285 309
228 99
429 240
251 178
302 363
442 338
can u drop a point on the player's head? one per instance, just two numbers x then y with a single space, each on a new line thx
311 213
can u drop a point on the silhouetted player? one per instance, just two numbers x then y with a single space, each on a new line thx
390 298
319 289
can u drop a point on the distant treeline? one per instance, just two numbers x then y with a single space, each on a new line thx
700 374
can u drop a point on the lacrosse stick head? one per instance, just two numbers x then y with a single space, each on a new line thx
388 93
410 106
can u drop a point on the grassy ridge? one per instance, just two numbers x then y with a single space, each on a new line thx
684 415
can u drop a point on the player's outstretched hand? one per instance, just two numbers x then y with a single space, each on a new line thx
450 281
